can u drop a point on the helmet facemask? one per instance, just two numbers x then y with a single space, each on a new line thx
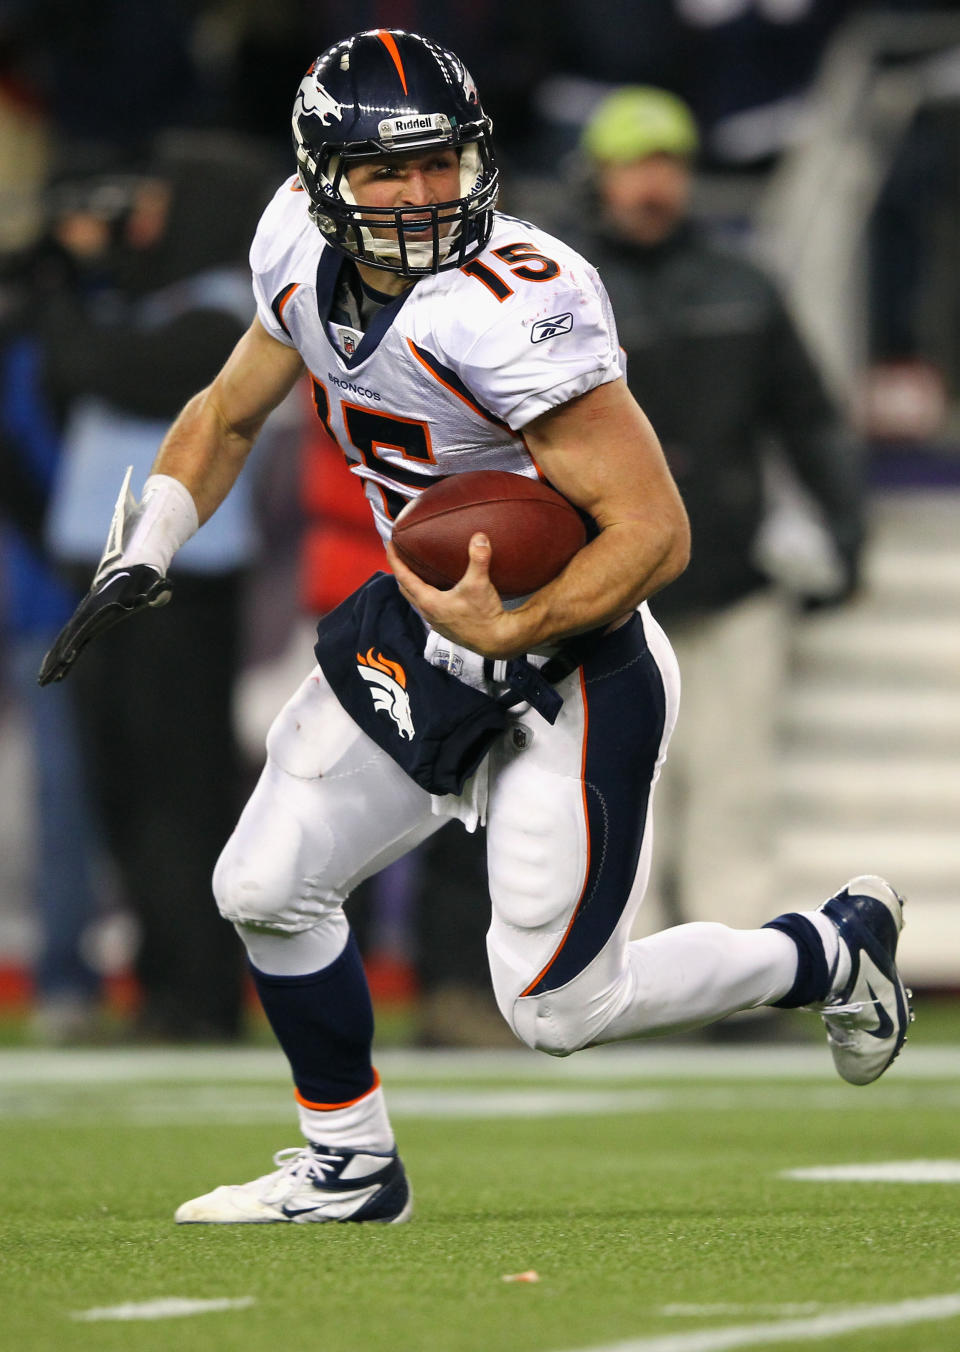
458 229
445 224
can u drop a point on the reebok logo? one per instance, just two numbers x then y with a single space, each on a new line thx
551 328
388 689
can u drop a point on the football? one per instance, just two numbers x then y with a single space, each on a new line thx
534 532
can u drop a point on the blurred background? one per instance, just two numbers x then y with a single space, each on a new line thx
138 143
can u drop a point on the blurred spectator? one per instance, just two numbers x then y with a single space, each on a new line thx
150 293
717 365
749 69
905 396
586 53
35 605
744 66
24 139
912 247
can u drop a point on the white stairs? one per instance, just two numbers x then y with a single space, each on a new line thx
869 780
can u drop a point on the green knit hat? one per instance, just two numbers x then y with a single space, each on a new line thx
637 121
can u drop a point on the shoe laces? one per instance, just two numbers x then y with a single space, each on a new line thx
300 1165
847 1016
843 1013
847 1013
843 1022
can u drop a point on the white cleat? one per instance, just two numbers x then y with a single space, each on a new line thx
311 1183
867 1020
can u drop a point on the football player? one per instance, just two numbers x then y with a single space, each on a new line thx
440 336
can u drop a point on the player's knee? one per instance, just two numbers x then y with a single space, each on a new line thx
545 1026
243 895
250 895
260 880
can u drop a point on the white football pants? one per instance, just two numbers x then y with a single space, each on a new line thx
569 839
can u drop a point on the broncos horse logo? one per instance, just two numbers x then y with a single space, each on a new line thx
315 100
388 681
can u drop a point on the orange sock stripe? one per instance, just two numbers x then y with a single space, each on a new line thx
388 41
332 1107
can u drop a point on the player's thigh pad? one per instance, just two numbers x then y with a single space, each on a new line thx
569 840
330 808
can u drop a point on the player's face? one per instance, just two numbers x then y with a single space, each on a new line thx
407 181
645 200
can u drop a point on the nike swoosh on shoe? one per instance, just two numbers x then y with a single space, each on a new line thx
884 1028
360 1195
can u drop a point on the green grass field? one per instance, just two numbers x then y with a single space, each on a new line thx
643 1185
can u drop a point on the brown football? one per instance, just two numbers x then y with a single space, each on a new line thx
534 532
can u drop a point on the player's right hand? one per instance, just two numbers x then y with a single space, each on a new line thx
111 599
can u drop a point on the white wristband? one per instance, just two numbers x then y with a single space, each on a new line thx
150 531
164 522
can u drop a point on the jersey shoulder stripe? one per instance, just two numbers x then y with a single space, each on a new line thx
452 382
279 302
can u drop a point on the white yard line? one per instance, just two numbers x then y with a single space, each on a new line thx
814 1329
137 1103
662 1062
173 1307
252 1085
886 1171
780 1310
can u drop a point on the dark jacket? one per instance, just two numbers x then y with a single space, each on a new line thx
92 327
717 365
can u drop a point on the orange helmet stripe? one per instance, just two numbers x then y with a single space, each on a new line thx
388 41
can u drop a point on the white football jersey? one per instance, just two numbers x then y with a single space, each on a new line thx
448 374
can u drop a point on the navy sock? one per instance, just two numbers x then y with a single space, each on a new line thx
812 983
324 1023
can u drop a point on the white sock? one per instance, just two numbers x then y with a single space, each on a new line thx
361 1125
835 950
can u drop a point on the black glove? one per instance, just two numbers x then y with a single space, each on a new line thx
109 600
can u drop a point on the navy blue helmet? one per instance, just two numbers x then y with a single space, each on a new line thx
391 92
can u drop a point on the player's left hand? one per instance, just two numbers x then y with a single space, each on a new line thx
471 613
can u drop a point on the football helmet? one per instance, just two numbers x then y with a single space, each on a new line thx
389 92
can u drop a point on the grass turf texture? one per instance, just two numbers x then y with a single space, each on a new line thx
621 1213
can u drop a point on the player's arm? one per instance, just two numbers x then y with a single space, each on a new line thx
197 464
208 444
600 451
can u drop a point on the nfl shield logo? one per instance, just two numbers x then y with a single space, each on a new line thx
349 344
